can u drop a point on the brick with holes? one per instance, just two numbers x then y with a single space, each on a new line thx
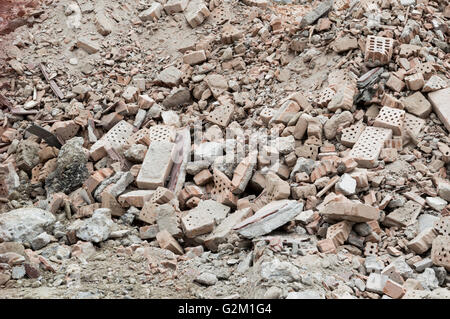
326 246
266 114
434 83
440 251
325 96
368 147
390 118
162 133
117 137
442 226
351 134
230 34
371 249
339 232
308 151
222 114
148 213
379 49
222 191
396 142
156 167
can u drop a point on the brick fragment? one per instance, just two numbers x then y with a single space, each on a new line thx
368 147
166 241
156 166
393 289
339 232
439 100
390 118
326 246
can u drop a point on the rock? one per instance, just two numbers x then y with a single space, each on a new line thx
103 23
170 76
436 203
273 293
136 153
428 279
313 15
41 241
268 218
207 279
71 170
97 228
279 271
305 294
27 155
346 185
208 151
24 224
18 272
444 190
344 44
337 120
177 97
305 165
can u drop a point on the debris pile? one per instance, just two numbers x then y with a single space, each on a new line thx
272 136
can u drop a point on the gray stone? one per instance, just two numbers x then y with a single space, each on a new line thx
269 218
177 97
428 279
441 274
170 76
71 170
193 168
136 153
422 264
426 221
18 272
436 203
346 185
362 229
207 279
372 264
313 15
273 293
279 271
97 228
444 190
24 224
305 294
27 155
167 219
208 151
41 241
303 165
376 282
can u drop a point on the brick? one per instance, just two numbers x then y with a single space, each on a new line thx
10 135
324 168
308 151
350 211
152 13
440 251
343 99
194 57
174 6
368 147
202 219
145 102
389 155
135 198
418 105
222 191
325 96
109 201
87 45
286 112
389 100
376 282
65 130
148 212
266 114
371 249
439 100
433 84
303 191
161 196
243 173
339 232
222 114
148 232
96 178
379 49
156 166
301 100
225 228
166 241
196 13
390 118
230 34
403 216
395 84
116 138
422 242
351 134
393 289
442 226
326 246
413 124
203 177
415 82
395 142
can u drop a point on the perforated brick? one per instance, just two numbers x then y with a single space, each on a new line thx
162 133
351 134
340 77
325 96
426 69
266 114
222 191
440 251
379 49
156 166
414 124
219 15
368 147
116 137
442 226
230 34
339 232
140 137
222 114
434 83
390 118
370 249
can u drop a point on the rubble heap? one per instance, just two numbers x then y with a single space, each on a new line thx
261 129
